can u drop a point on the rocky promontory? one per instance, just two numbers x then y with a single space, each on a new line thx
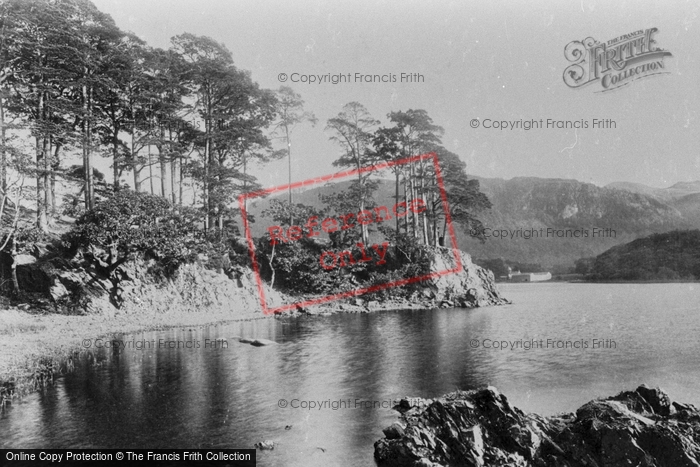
90 280
480 428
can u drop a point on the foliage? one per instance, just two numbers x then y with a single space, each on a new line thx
584 265
667 256
234 111
413 133
71 79
129 222
464 197
280 211
298 270
290 111
352 130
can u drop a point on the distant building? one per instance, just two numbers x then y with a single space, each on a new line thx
529 276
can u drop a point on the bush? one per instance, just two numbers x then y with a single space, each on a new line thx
129 222
297 268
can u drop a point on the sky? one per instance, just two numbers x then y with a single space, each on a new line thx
490 61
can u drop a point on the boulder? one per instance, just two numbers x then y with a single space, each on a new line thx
21 260
266 445
394 431
658 400
480 428
58 291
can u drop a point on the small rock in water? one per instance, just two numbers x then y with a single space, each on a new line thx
265 445
256 342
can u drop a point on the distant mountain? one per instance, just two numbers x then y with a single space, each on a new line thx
679 190
684 196
667 256
689 206
569 207
577 215
635 188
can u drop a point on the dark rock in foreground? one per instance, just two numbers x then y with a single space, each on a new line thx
480 428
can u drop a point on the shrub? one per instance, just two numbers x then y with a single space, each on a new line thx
129 222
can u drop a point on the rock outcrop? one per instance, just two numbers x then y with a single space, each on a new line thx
92 280
470 287
473 286
480 428
90 283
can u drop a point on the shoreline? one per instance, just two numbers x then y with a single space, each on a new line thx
36 348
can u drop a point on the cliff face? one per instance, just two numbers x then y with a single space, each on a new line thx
480 428
474 286
198 289
89 283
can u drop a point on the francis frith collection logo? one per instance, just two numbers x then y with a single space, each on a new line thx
615 63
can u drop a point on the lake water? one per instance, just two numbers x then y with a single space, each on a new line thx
357 365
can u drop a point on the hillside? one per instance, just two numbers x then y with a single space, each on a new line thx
570 205
667 256
684 196
565 206
674 192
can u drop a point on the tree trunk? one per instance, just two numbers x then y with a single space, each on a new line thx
289 164
3 138
48 144
15 282
205 185
397 186
90 174
41 140
245 183
162 162
414 216
181 182
363 227
272 257
3 152
207 160
55 165
405 198
134 163
444 228
87 163
150 167
434 219
424 216
115 158
173 171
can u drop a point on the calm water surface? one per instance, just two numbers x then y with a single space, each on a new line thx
230 397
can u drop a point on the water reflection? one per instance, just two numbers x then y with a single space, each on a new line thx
229 395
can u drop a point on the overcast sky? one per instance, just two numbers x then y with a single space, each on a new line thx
480 59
